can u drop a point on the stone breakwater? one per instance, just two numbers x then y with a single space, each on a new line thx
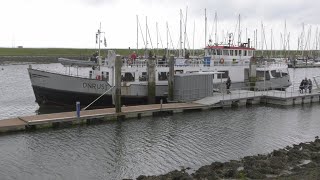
300 161
35 59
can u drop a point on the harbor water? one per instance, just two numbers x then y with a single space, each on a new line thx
147 146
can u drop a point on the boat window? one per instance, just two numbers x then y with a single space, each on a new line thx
163 76
261 74
245 52
105 76
236 52
231 52
219 52
178 72
143 76
224 75
127 77
226 52
90 74
250 53
240 52
275 73
284 73
214 52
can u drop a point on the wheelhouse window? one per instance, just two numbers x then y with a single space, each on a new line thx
127 77
262 74
240 52
226 52
224 75
231 52
236 52
219 52
143 76
163 76
245 52
275 73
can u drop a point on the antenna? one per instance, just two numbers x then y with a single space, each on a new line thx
205 27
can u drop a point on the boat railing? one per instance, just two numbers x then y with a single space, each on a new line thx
74 72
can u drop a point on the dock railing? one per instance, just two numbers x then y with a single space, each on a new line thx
246 92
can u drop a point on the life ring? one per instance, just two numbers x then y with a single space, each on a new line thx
221 61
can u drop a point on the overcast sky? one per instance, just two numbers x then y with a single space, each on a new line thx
73 23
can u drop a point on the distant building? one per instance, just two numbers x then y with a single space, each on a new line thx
20 46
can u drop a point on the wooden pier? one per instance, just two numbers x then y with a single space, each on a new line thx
218 100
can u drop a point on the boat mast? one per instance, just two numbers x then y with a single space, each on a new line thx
99 33
194 28
157 36
146 32
185 33
205 27
167 53
137 34
216 27
180 53
239 33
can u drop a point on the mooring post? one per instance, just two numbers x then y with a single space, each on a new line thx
151 80
171 78
252 73
118 65
78 109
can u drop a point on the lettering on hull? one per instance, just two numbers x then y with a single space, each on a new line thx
94 86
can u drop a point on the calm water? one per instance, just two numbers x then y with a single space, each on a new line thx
147 146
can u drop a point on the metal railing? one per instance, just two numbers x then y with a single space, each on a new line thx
246 92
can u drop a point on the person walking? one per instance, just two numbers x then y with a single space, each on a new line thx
301 87
310 85
228 84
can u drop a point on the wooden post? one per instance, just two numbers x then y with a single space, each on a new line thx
118 65
171 78
252 73
151 80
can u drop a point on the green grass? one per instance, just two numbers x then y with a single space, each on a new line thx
67 52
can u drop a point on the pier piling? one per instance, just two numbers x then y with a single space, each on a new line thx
151 80
118 65
171 78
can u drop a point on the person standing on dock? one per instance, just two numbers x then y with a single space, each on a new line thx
305 84
228 84
310 85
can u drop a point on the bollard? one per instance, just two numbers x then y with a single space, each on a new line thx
161 104
78 109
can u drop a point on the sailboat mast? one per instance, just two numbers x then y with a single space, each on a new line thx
167 53
157 36
239 33
194 29
180 34
137 34
146 32
216 27
185 33
205 27
99 33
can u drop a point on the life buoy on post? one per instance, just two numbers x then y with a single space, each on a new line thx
221 61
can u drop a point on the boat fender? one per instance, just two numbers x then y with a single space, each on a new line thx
221 61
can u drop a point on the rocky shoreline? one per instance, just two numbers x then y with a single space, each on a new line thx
300 161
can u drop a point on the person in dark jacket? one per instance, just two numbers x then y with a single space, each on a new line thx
301 87
228 84
310 85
